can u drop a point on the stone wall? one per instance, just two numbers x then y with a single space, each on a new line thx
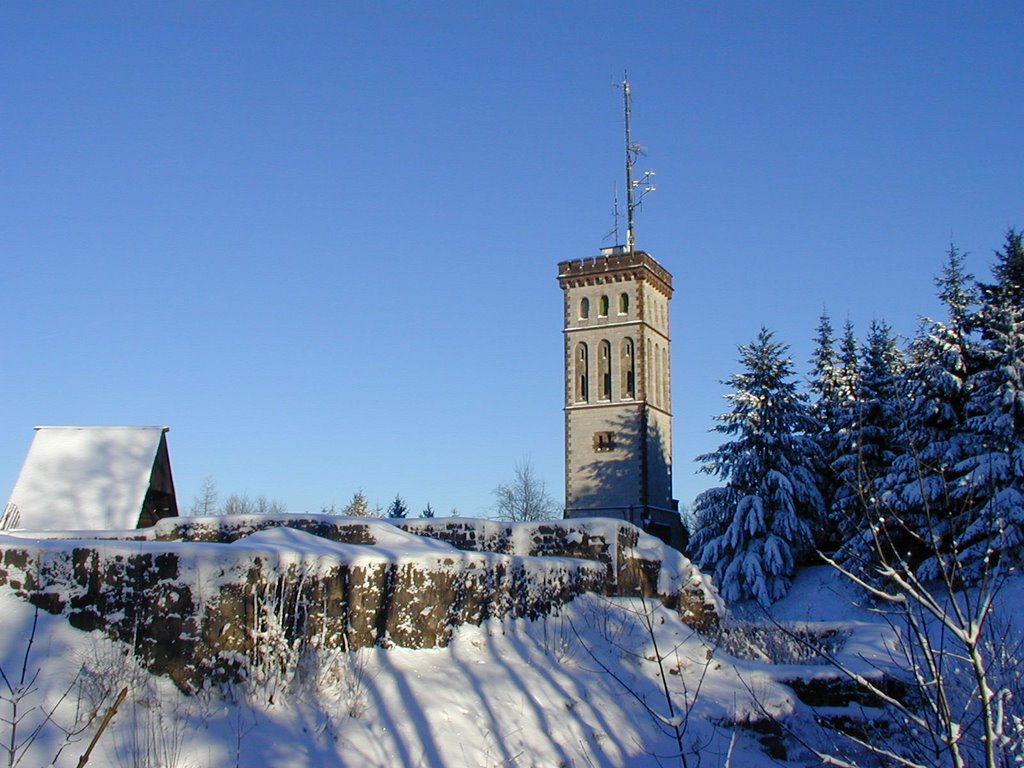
197 597
636 564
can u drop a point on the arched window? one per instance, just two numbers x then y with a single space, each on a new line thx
666 389
627 369
604 371
580 373
659 392
624 304
584 308
602 307
648 373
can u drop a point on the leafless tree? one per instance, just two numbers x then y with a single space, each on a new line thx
525 498
236 504
26 712
961 664
959 655
205 502
670 711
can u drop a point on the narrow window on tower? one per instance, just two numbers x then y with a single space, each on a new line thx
604 372
656 374
627 375
602 307
665 380
584 308
580 373
624 304
648 374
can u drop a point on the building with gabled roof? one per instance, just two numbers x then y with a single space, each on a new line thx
93 478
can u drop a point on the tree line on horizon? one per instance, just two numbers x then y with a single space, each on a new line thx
207 502
915 450
524 499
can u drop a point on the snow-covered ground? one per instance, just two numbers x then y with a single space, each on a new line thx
583 688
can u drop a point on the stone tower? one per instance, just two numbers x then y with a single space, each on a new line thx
618 392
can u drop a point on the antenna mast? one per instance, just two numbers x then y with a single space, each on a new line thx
614 232
633 151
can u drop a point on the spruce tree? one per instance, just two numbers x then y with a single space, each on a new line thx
990 487
936 385
769 471
1008 270
358 506
873 435
849 366
830 395
398 507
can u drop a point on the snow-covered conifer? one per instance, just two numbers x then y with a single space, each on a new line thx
768 466
358 506
873 435
830 393
1008 270
917 487
990 485
398 507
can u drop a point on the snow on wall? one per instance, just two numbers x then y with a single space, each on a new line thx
202 597
637 563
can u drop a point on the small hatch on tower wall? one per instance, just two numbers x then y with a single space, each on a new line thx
604 442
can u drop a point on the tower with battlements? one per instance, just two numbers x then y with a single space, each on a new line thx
618 391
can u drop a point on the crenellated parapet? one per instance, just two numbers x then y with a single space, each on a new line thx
615 267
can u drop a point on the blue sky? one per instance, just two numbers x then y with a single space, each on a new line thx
319 241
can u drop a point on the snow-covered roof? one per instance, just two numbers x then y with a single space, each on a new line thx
85 478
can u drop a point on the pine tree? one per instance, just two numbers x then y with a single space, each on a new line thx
769 470
830 394
1008 270
936 384
873 435
358 506
398 508
990 487
849 366
428 511
826 376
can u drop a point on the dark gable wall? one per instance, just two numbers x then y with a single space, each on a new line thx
160 501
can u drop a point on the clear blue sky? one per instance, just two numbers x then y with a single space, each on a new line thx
319 241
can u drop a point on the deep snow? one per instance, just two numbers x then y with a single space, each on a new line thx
518 692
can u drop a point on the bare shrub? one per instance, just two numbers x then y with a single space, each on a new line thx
780 643
622 620
28 713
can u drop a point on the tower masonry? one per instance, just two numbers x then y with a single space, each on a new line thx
618 392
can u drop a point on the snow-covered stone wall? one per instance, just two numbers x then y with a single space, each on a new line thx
204 597
636 563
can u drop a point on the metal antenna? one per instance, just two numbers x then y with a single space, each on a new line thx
643 185
614 233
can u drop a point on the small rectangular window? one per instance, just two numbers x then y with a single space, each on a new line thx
604 442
